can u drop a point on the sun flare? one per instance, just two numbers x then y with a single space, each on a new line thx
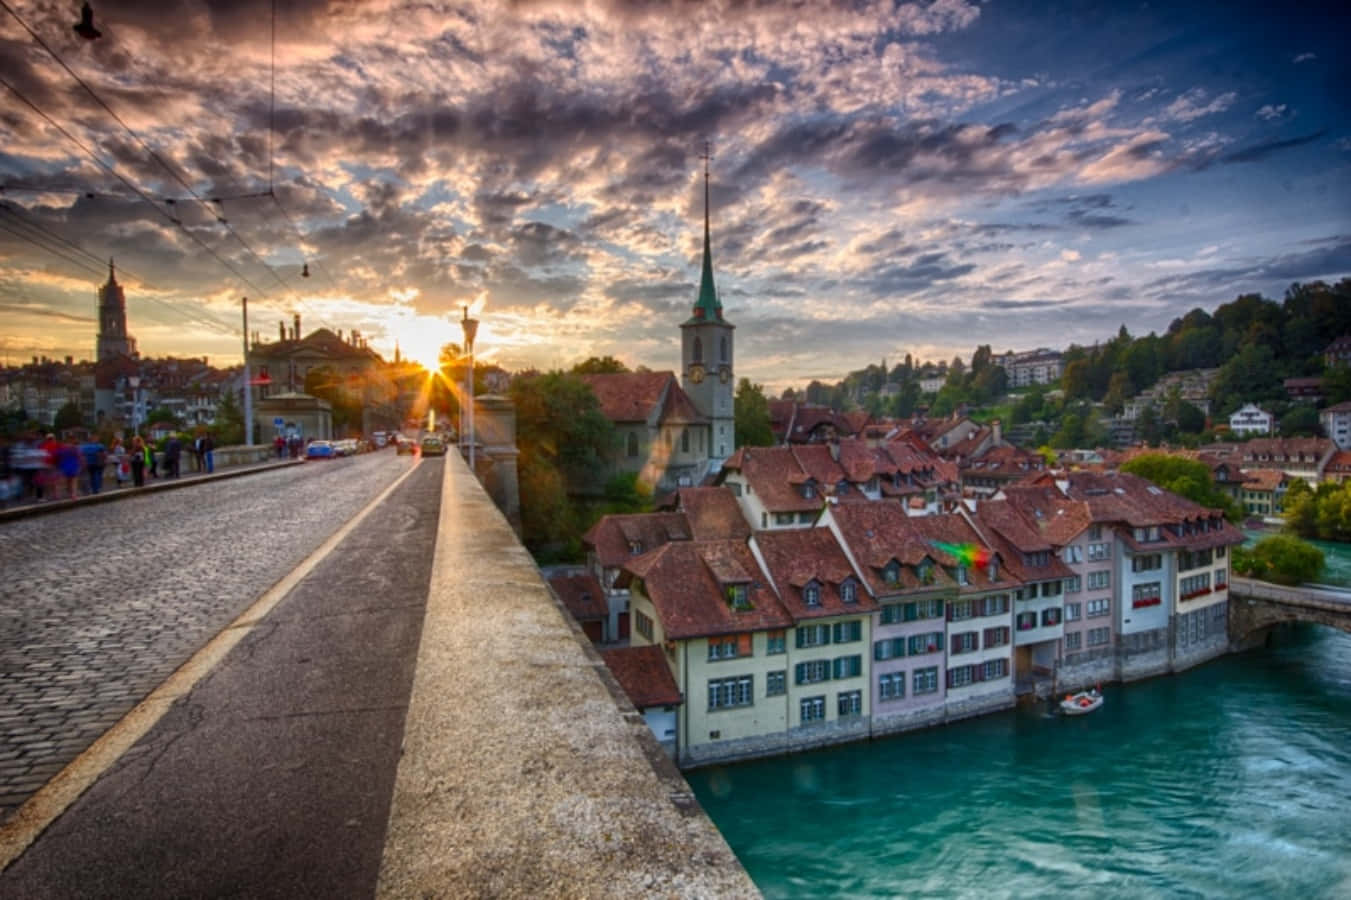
420 338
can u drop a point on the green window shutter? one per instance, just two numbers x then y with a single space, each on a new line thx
856 630
835 630
825 634
858 665
939 635
879 650
898 645
800 672
801 638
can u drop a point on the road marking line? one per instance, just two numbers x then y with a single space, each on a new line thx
41 809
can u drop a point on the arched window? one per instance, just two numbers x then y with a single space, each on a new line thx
633 444
724 348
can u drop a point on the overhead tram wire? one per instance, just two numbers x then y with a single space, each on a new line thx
78 263
157 158
136 190
190 315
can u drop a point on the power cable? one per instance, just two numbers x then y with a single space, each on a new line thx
140 193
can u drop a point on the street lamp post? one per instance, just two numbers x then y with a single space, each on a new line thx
470 327
135 382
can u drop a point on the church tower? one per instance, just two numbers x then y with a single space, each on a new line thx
706 357
113 338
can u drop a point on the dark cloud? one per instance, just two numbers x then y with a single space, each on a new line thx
1259 152
541 244
29 309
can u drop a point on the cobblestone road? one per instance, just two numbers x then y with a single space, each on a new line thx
98 605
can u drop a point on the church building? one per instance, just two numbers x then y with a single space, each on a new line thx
676 434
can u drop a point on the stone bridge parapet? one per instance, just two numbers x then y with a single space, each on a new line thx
1256 606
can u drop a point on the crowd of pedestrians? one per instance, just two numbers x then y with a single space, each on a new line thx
37 468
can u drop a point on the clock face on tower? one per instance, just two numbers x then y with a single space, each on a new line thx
696 373
725 374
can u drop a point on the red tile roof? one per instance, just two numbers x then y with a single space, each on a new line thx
712 514
1263 479
630 396
687 580
614 536
679 409
644 675
582 595
773 474
796 558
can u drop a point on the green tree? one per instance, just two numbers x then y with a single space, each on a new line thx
229 427
344 396
1301 509
1119 390
1281 558
752 416
1337 384
1300 421
1184 477
1075 380
625 493
599 365
69 416
558 420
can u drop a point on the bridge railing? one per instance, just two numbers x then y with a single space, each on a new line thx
525 772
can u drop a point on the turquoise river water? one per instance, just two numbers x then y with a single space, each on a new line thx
1230 780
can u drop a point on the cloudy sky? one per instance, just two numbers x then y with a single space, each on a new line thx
886 177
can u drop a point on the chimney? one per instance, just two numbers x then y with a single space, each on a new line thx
281 330
297 328
998 432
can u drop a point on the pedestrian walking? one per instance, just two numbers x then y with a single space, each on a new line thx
138 455
95 458
173 450
121 465
68 464
29 461
209 452
280 443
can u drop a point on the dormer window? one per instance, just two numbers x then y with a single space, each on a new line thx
811 594
808 490
849 591
926 572
842 487
994 568
891 572
635 547
738 597
961 574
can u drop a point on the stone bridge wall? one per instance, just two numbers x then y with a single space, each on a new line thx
525 770
1256 606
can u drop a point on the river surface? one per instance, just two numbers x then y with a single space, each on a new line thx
1230 780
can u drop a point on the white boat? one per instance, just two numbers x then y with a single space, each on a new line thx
1082 703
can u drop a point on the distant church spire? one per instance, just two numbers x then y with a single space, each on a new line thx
707 306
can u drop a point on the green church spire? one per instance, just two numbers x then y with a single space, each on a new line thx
707 308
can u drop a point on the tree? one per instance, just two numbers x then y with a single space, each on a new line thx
1301 509
1300 421
1074 381
558 420
625 493
69 416
229 427
1184 477
1281 558
599 365
752 416
1119 390
1337 384
329 385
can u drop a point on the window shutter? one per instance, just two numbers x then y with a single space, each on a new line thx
949 612
856 664
801 638
825 633
743 645
878 651
800 673
939 635
898 647
949 678
835 629
836 668
855 630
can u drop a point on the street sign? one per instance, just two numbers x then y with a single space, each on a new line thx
278 421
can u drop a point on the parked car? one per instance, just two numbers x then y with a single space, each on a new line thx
432 445
405 445
320 450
